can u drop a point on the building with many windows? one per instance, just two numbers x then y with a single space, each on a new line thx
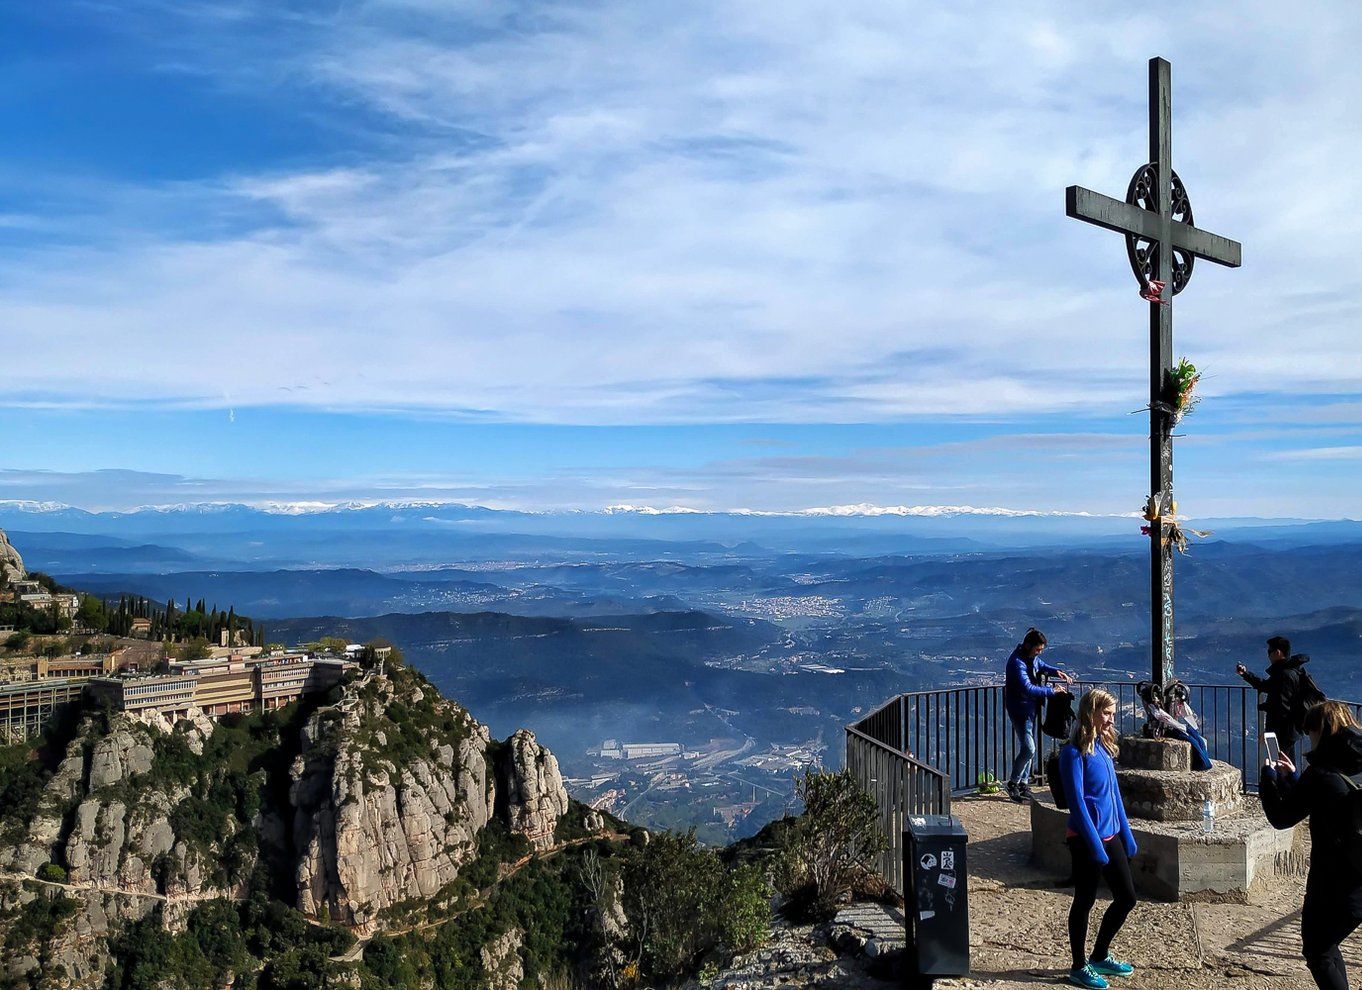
33 688
280 681
221 686
165 694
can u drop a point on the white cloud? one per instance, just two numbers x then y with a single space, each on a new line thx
644 213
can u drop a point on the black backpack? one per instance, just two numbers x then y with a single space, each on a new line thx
1352 817
1056 781
1307 696
1059 716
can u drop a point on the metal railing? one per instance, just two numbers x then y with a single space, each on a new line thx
918 749
901 784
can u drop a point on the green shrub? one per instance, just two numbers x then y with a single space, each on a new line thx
671 898
745 908
833 843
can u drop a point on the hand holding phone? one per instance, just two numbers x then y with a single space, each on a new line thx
1274 750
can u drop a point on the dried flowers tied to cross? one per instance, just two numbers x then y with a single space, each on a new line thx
1168 525
1185 378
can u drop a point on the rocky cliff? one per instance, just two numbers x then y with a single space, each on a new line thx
11 564
390 791
105 819
347 810
531 796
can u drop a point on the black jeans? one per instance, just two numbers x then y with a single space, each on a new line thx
1324 924
1086 875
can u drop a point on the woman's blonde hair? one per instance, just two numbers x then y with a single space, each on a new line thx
1085 735
1328 717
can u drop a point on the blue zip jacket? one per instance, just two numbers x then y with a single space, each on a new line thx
1021 693
1096 811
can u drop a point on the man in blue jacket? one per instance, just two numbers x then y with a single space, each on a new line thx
1023 694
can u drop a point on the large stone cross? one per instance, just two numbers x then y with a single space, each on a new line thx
1162 244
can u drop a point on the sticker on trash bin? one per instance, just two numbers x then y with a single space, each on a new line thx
927 862
924 915
948 859
919 822
947 881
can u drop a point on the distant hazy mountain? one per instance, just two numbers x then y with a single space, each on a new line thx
404 534
725 632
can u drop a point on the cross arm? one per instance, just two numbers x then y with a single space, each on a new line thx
1126 218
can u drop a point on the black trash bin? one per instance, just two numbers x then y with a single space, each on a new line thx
936 902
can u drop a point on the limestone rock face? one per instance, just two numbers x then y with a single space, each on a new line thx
534 795
386 797
106 817
11 564
391 790
119 756
81 944
501 961
113 843
44 829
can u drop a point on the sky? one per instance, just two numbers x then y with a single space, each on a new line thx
573 255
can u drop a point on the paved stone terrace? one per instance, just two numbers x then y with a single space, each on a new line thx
1018 919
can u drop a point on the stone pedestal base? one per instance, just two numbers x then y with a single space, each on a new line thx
1178 795
1175 860
1156 754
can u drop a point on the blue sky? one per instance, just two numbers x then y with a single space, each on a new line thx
573 255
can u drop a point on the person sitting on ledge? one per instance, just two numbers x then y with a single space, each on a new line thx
1023 694
1332 909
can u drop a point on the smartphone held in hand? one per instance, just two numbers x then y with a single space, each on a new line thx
1274 751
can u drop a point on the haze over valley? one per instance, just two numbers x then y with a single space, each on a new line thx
740 646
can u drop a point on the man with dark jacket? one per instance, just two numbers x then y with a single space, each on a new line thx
1333 888
1280 687
1023 694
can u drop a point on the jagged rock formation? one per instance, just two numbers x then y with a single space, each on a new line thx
94 818
501 961
532 787
109 827
381 820
11 564
385 799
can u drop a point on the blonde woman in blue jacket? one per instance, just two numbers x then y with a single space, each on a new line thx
1099 839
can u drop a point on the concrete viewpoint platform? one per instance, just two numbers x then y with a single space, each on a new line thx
1175 860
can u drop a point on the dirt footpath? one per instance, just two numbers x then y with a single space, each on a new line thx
1019 934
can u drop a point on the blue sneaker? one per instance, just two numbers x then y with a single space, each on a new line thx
1110 966
1086 976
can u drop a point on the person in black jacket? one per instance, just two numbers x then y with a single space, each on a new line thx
1280 687
1333 889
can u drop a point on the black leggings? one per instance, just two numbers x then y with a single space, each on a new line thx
1324 924
1086 875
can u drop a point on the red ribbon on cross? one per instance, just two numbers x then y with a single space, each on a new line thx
1153 291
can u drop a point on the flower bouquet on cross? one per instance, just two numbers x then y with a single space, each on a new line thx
1183 387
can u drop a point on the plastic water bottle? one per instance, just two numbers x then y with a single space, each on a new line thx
1207 817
